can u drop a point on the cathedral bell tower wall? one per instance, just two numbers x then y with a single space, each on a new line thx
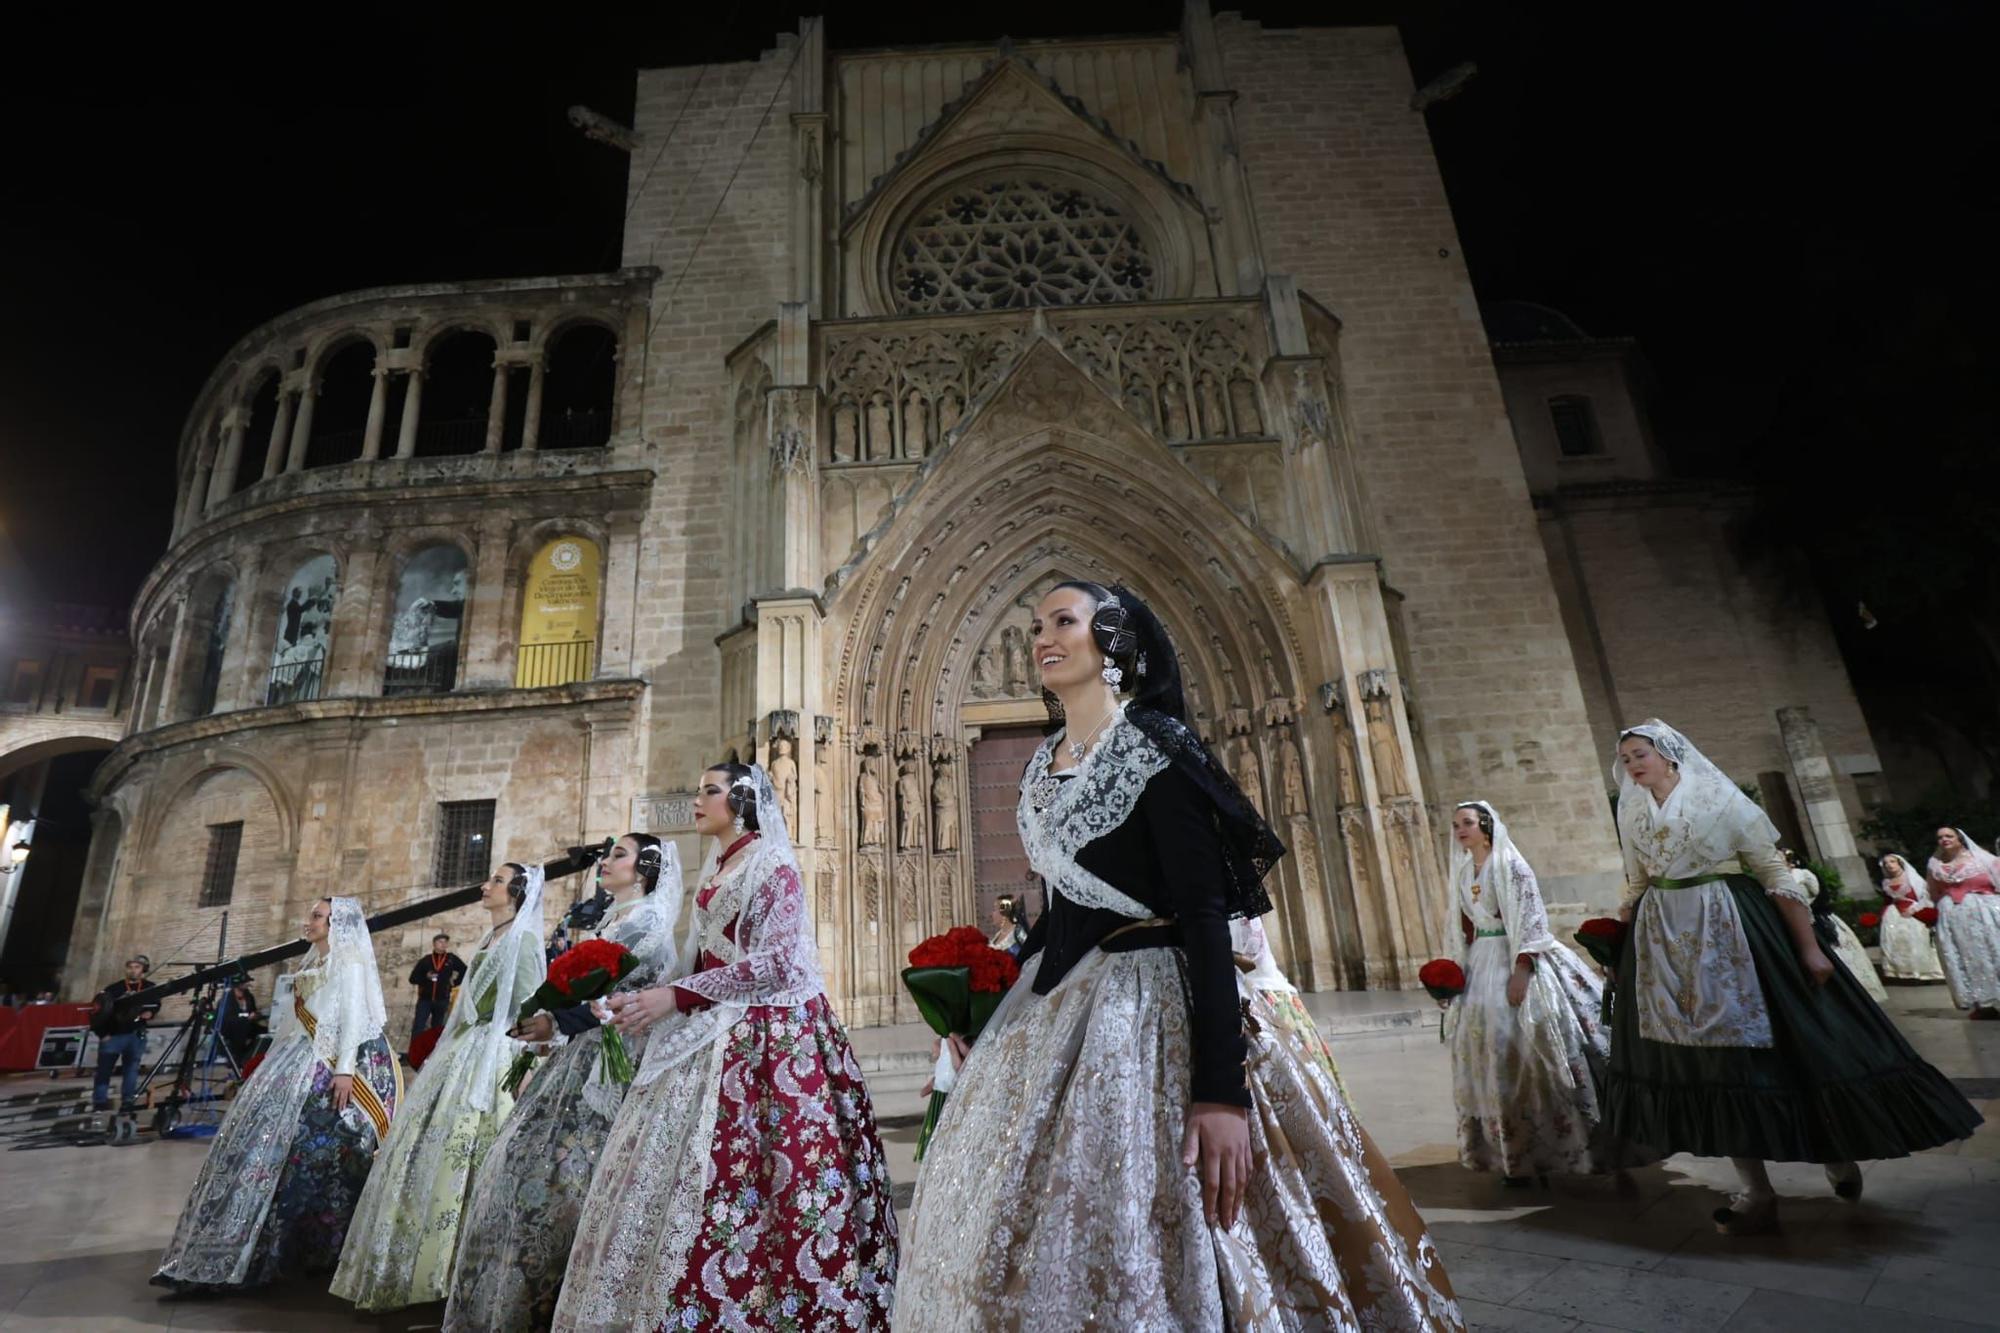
1348 203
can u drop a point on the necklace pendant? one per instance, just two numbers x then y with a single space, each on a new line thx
1076 749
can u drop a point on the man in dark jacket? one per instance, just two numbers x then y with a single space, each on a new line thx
121 1036
434 976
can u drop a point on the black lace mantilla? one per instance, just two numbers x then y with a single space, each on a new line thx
1249 848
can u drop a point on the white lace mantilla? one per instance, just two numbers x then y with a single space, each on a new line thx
1056 819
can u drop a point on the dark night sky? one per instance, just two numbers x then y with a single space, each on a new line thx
1771 198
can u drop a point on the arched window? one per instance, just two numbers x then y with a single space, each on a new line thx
430 613
208 635
1032 238
458 394
305 632
578 383
1576 426
558 640
340 416
263 402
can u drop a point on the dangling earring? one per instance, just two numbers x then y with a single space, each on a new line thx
739 826
1112 675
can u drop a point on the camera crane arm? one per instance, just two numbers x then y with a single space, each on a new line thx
572 861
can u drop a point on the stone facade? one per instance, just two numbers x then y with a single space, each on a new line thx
905 337
1668 614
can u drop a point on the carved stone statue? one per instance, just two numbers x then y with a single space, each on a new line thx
983 684
1291 778
944 810
1384 749
881 439
1347 762
1243 397
1176 410
846 427
784 772
950 409
909 807
916 425
824 803
1243 767
1214 419
872 801
1018 676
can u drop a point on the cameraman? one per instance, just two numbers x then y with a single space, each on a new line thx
121 1036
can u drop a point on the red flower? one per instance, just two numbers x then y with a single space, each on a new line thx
1605 927
1443 974
1927 915
1869 920
993 970
937 951
580 960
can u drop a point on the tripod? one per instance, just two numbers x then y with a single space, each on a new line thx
203 1013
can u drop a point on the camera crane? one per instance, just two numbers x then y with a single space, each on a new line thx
238 969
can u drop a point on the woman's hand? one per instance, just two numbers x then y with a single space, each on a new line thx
343 1091
632 1012
1218 1137
1517 984
1819 970
539 1028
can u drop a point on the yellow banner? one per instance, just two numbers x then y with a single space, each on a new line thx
558 641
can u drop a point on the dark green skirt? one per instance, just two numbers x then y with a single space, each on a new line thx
1839 1083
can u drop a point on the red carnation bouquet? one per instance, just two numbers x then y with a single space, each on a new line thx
957 980
581 974
1601 937
1927 915
1443 978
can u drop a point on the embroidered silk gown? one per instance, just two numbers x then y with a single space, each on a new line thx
1908 952
1968 928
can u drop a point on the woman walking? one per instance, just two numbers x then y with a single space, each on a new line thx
1965 883
1908 952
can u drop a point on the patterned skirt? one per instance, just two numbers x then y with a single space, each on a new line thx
744 1188
1908 952
1968 944
1840 1083
1524 1079
1053 1196
282 1175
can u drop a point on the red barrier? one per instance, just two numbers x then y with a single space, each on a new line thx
21 1031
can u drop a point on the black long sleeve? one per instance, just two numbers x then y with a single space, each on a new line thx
574 1020
1181 823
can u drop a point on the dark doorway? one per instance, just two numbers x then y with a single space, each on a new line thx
999 864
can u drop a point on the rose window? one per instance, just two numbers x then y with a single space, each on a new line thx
1010 243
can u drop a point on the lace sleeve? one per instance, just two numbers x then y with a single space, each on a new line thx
1635 873
1531 931
1767 863
777 963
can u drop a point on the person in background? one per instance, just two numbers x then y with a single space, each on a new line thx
1009 932
121 1036
242 1024
435 976
1834 932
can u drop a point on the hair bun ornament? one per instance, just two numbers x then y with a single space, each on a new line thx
1111 626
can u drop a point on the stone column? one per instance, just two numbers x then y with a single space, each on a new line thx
281 427
353 667
168 690
1239 249
793 423
486 646
378 407
243 680
224 480
1319 467
1397 877
496 407
100 867
302 427
1812 769
808 163
531 429
413 399
622 578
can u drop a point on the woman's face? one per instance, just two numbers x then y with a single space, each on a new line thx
1643 764
1948 843
493 893
1892 867
1065 653
712 815
1001 917
318 922
1465 828
619 869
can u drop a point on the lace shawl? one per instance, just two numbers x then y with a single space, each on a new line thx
343 989
1977 861
1517 897
1703 827
1056 818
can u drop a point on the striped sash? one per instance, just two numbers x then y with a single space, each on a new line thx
363 1091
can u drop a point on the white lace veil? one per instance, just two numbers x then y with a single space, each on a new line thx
1911 881
523 934
1713 814
1976 860
347 1008
646 927
774 958
1527 932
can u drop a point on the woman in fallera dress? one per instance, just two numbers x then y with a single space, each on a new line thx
1123 1149
1834 933
405 1234
1528 1042
528 1195
1908 952
1733 1035
282 1175
1965 888
743 1184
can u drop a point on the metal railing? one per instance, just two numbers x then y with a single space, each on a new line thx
573 429
432 670
296 682
554 663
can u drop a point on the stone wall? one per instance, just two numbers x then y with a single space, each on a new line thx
1348 201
